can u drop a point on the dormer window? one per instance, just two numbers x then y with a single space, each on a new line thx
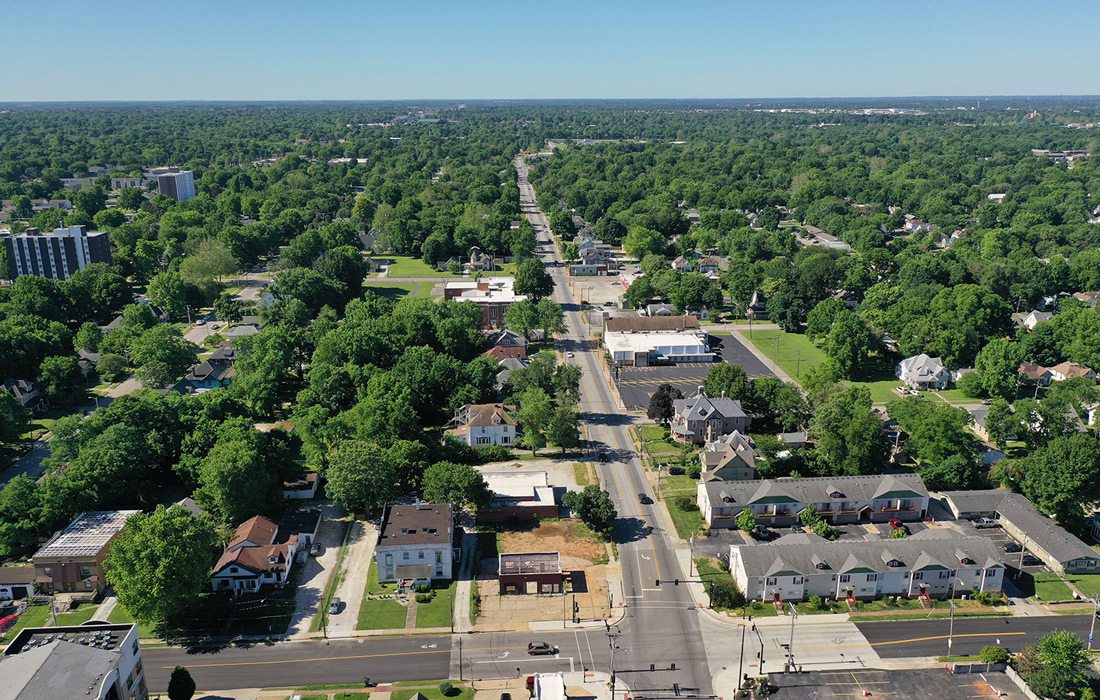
822 565
835 494
894 563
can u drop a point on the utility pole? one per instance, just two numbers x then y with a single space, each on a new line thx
741 662
1023 551
1092 625
612 637
951 612
460 658
691 558
790 646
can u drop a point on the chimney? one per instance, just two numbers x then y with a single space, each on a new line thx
418 502
710 433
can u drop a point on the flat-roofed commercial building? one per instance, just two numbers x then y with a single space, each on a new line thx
530 572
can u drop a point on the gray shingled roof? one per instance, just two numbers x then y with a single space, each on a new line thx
799 554
817 489
1019 511
701 407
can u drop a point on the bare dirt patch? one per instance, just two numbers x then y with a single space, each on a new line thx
570 539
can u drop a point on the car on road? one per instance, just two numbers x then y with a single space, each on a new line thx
1031 560
200 322
985 522
316 550
334 606
1011 547
541 649
644 499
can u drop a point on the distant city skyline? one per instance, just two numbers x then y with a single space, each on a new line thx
487 49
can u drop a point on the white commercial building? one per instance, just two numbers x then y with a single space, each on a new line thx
416 542
644 349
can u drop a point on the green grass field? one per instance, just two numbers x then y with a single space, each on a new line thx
687 520
438 612
381 614
1046 586
35 616
78 615
1089 584
121 614
432 693
397 290
580 472
408 266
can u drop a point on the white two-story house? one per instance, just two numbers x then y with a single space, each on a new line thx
416 542
484 424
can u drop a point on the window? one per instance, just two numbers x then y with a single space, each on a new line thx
504 439
796 580
439 557
483 441
85 571
771 582
405 556
49 571
978 572
232 569
871 578
944 574
918 575
845 578
420 555
87 584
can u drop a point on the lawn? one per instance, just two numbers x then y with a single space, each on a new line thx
375 588
408 266
580 472
438 612
1088 584
685 516
432 693
795 353
35 616
397 290
679 484
121 614
1044 586
381 614
78 615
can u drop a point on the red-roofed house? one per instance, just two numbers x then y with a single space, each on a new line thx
253 559
1071 370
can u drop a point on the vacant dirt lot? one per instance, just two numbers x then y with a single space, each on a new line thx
561 536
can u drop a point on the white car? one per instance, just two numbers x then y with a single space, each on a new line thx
569 354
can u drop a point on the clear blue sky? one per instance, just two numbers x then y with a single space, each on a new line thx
345 49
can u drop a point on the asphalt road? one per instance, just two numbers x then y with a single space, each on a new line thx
660 626
383 659
929 637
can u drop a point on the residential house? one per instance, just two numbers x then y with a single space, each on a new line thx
709 265
1035 374
27 393
923 372
534 573
1070 370
209 374
92 661
416 542
660 310
701 419
505 368
254 558
479 261
757 308
484 424
301 486
1058 549
87 361
839 499
1035 318
508 343
72 561
1087 297
16 582
929 564
731 457
682 264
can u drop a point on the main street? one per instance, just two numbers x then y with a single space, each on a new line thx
661 627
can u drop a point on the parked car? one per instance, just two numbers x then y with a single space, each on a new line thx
505 696
570 354
985 522
541 649
896 524
1032 560
530 684
761 533
316 550
334 606
644 499
1011 547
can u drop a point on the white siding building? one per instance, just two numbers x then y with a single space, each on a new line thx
416 542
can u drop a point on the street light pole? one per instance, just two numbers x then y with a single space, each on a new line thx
1092 625
741 663
790 647
951 613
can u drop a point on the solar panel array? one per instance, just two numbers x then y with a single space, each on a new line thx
86 535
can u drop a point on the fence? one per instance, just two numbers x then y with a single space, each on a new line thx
1011 673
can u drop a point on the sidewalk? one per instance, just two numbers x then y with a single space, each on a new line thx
105 608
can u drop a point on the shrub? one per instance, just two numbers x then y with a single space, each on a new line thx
424 597
695 471
676 471
684 503
746 521
993 655
898 534
422 587
725 595
446 689
817 602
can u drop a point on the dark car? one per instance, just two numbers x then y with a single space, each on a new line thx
1011 547
1032 560
761 533
541 649
505 696
644 499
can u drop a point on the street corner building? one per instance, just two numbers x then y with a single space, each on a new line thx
416 543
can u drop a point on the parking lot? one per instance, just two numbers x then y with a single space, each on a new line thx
637 384
718 543
907 683
1000 538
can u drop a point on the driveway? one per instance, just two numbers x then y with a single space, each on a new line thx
127 387
313 572
353 583
29 464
